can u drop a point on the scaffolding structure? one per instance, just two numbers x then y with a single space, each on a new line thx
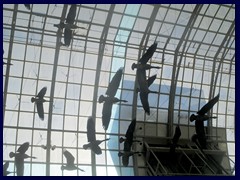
186 160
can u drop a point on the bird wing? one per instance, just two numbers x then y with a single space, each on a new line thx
40 110
69 157
151 80
5 166
27 6
91 130
71 14
144 59
177 135
96 149
208 106
42 92
142 82
114 84
130 130
106 114
23 148
19 163
67 36
144 100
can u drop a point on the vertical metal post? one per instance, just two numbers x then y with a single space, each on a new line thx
58 43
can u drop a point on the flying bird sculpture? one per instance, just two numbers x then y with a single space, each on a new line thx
27 6
109 100
199 122
91 136
128 141
175 139
39 100
70 162
144 88
19 158
5 167
69 25
142 62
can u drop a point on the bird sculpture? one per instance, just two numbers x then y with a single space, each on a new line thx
109 100
70 162
142 62
5 167
175 139
27 6
144 88
91 136
39 100
19 158
128 141
199 122
69 25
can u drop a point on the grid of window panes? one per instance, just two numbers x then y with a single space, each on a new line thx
206 56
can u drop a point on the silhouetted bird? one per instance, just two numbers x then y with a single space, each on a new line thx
175 139
143 88
91 136
39 100
125 156
129 135
28 6
7 63
127 152
68 26
201 113
70 162
142 63
19 158
199 122
5 167
110 99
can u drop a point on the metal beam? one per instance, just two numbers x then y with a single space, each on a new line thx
49 128
176 67
214 78
9 57
97 76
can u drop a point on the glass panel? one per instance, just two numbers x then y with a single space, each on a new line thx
31 44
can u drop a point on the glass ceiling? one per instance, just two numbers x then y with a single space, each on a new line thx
196 53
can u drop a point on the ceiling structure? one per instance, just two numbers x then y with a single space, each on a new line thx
196 53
